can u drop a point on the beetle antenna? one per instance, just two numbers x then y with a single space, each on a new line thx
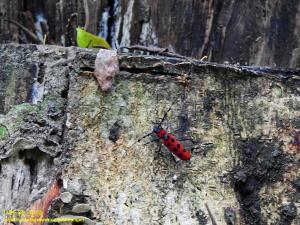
146 135
166 113
165 116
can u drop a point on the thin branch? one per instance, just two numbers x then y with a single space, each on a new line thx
155 50
213 221
46 33
28 32
87 14
70 30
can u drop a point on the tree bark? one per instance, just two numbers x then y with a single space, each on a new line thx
250 32
55 122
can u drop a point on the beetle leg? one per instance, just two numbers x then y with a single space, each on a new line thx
154 140
175 158
186 139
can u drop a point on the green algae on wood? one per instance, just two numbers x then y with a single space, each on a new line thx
3 132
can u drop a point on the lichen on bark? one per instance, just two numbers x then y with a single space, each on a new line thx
243 120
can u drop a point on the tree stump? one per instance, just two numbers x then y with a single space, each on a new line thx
55 122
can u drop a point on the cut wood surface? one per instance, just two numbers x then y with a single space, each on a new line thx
55 121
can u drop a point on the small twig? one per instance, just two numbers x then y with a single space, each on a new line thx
87 14
70 20
213 221
155 50
150 49
28 32
70 39
44 39
172 54
204 58
46 33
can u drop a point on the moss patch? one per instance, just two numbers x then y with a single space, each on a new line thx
3 132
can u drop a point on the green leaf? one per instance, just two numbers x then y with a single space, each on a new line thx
88 40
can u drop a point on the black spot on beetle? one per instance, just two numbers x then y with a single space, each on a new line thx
173 140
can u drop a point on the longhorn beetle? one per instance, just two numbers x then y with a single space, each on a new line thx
169 140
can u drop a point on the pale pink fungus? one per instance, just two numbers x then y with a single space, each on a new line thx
106 67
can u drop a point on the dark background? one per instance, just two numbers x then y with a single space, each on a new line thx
248 32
